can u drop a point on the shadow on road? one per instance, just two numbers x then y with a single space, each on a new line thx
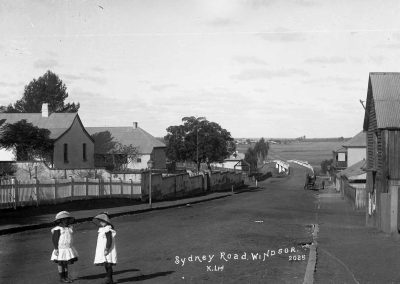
102 275
250 189
144 277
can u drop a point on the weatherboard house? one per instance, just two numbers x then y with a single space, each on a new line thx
356 148
148 146
382 125
73 147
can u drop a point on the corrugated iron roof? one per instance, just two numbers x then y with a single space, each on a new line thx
385 89
341 149
360 140
57 123
130 135
354 171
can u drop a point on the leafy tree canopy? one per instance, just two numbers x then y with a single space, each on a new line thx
29 142
198 139
46 89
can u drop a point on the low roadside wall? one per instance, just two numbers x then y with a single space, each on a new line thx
181 185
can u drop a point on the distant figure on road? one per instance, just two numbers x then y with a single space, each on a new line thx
64 253
106 251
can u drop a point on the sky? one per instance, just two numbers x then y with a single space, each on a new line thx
259 68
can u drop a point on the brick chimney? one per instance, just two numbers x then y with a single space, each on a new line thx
45 110
135 125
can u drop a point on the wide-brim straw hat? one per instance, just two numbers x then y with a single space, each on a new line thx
64 215
101 217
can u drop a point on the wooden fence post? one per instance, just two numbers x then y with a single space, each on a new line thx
55 190
86 187
110 186
16 192
37 191
131 188
100 191
72 187
122 186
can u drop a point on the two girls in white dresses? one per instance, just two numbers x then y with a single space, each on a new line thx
64 253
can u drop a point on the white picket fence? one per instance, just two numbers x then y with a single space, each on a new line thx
302 163
15 193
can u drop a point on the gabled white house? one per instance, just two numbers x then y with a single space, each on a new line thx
148 146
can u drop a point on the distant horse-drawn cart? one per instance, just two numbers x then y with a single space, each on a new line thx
311 182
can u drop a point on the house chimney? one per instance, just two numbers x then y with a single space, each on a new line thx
135 124
45 110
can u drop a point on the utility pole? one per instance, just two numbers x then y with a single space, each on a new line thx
197 149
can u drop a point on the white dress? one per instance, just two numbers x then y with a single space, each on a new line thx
66 251
100 258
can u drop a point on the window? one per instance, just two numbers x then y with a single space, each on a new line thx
84 152
65 153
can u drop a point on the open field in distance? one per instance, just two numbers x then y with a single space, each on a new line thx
312 152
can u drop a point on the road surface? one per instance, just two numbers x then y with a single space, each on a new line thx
258 236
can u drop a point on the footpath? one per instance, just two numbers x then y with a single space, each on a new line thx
347 250
25 219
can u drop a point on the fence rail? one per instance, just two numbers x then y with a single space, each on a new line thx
16 193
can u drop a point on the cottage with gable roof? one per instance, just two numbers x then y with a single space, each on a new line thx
148 146
73 146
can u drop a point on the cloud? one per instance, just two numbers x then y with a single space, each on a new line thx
85 77
45 63
249 60
7 84
333 80
326 60
51 53
282 35
221 22
377 59
255 74
267 3
162 87
98 69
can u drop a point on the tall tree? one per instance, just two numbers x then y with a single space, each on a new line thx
251 157
198 139
46 89
261 148
27 141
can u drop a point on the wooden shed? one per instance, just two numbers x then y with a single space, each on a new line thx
382 124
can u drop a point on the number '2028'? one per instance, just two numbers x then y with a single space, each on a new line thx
297 257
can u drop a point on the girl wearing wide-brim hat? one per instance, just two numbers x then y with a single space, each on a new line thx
62 236
106 251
